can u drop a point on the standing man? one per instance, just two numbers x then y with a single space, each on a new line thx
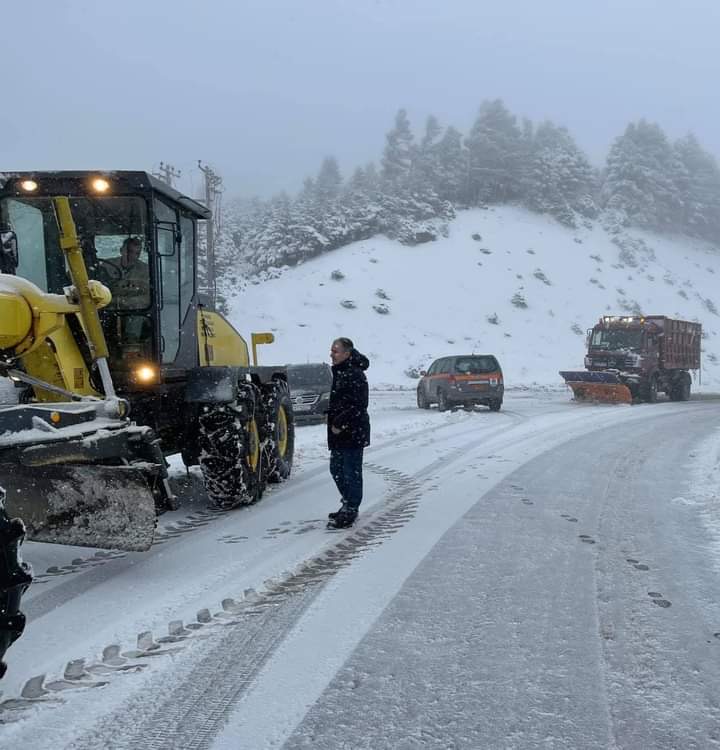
348 428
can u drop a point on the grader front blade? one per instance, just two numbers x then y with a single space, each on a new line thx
601 387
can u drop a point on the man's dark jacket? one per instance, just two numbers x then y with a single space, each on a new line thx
348 405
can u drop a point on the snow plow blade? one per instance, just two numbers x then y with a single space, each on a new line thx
87 505
602 387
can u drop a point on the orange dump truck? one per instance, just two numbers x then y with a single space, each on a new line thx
633 358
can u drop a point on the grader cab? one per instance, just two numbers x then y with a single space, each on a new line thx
120 360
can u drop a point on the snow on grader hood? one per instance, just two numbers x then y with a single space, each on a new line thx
75 469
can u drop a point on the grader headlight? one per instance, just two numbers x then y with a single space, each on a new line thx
29 186
145 374
100 185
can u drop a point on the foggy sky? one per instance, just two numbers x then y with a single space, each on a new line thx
264 89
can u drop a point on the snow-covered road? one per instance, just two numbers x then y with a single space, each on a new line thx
539 577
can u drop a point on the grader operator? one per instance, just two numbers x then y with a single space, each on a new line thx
122 360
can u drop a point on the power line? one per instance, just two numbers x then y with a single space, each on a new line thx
167 173
213 199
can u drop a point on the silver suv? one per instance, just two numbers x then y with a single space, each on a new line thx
310 386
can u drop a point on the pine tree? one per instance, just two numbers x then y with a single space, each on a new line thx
425 162
329 180
559 178
641 178
494 147
399 151
699 186
450 178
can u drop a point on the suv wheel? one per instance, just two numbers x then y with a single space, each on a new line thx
443 403
495 404
422 402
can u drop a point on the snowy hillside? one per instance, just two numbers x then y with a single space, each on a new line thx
505 281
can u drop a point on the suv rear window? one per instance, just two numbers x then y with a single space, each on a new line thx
305 375
476 365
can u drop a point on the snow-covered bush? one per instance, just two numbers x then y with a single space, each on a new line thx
518 300
348 304
337 275
539 274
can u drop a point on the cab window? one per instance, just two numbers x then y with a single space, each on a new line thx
166 229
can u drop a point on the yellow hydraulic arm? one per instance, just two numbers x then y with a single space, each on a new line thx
70 245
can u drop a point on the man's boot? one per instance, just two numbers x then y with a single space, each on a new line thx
344 518
333 516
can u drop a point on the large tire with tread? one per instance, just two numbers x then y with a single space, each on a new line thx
279 432
15 577
681 389
230 453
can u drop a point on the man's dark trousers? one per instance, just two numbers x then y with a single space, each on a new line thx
346 470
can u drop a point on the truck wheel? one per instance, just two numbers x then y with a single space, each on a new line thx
443 403
652 390
230 455
495 404
279 431
422 402
681 389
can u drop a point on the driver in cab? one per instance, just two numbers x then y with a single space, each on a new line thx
129 279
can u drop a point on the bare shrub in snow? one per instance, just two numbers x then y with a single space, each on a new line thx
575 328
485 251
382 309
382 294
518 300
413 372
493 319
709 305
337 275
539 274
630 306
348 303
477 237
597 258
712 357
373 260
682 293
633 250
530 251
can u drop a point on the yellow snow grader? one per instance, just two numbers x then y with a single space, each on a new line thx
118 359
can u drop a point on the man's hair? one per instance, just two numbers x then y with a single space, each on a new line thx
132 241
346 344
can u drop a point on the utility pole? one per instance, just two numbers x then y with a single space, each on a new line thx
167 173
213 197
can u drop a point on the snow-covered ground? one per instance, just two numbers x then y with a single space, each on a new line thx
544 576
486 598
441 295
